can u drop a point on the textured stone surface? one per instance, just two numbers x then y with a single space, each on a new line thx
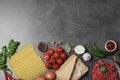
31 21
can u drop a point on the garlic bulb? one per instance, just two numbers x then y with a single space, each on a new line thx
86 56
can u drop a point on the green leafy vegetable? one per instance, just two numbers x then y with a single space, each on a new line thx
68 47
93 49
94 52
103 69
7 52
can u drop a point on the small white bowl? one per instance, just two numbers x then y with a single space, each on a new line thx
79 49
112 49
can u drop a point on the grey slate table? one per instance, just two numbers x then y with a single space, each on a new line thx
32 21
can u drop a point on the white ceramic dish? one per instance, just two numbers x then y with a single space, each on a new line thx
114 44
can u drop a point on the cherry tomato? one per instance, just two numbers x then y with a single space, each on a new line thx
46 57
50 75
63 55
60 49
48 65
52 60
59 61
56 55
56 66
50 51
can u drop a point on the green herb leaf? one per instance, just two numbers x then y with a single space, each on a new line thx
103 69
2 61
4 49
7 52
16 43
11 41
68 47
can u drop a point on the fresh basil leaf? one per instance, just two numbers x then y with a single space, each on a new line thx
7 52
4 49
16 43
103 69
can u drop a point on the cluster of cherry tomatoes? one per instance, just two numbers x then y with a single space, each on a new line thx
54 58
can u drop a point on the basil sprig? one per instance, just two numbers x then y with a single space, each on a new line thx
7 52
103 69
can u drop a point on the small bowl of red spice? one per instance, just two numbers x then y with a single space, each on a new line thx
110 45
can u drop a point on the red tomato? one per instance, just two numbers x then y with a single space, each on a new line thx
52 60
56 66
48 65
46 57
60 49
59 61
56 55
63 55
50 75
50 51
39 78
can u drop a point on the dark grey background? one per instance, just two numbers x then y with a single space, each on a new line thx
32 21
